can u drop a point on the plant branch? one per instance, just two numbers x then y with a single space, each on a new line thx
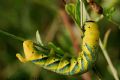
106 37
113 70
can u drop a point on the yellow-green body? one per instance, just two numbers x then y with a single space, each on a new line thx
66 66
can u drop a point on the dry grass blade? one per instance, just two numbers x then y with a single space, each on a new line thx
106 37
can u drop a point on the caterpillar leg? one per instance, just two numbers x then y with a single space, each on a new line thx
20 58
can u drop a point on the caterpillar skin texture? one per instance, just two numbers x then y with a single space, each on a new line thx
66 66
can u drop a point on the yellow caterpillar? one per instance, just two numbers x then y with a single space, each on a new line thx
66 66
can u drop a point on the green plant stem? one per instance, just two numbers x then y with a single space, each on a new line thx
20 39
113 70
11 35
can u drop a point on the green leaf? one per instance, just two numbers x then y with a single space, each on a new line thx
109 12
38 38
70 9
85 15
77 12
56 49
74 11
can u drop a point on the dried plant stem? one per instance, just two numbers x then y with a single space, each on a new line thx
52 30
69 27
106 37
113 70
86 76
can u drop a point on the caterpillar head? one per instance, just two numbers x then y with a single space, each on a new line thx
28 51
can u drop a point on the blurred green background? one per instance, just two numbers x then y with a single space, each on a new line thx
23 17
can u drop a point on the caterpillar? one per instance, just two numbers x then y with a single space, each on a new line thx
66 65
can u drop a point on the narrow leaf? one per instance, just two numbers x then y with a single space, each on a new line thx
106 37
77 12
56 49
38 38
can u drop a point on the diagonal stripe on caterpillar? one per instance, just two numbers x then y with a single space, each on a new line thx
66 66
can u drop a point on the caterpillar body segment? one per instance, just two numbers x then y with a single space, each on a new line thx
66 65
